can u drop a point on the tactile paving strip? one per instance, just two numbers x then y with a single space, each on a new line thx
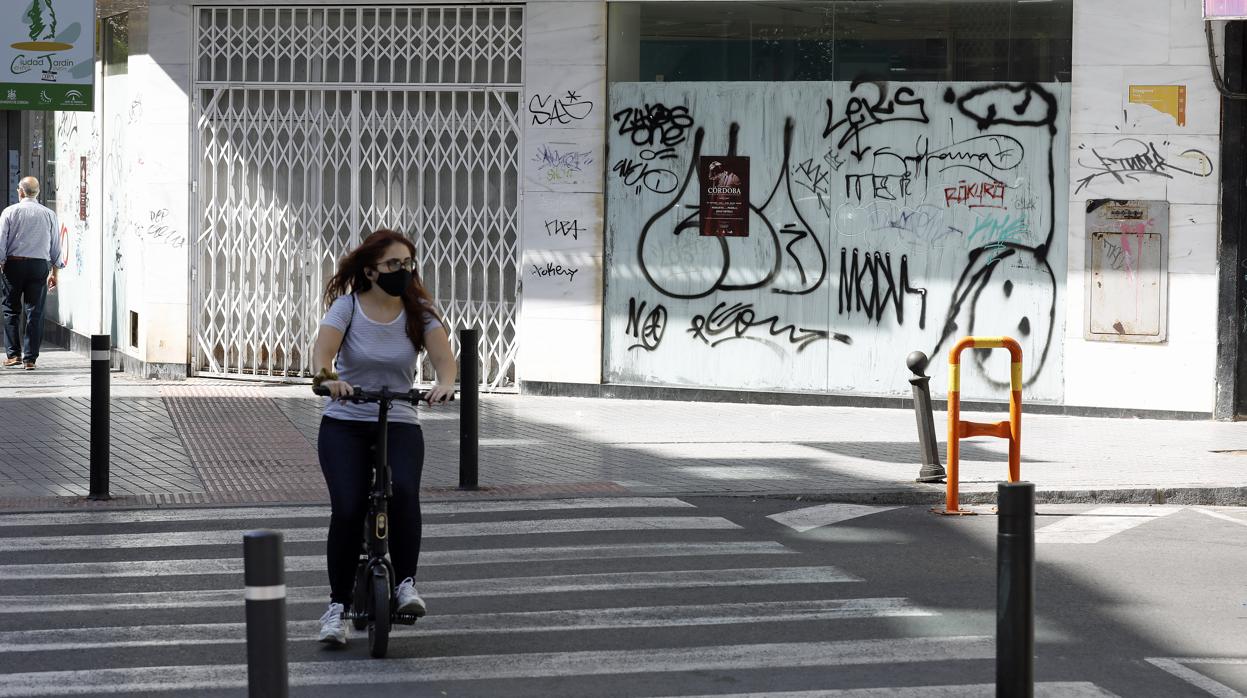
244 448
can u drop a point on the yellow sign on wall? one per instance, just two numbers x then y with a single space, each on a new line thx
1167 99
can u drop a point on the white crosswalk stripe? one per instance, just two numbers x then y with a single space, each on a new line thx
91 607
308 535
1055 689
517 666
808 518
478 623
434 558
1100 523
496 586
78 518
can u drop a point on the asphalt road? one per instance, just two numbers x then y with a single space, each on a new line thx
640 597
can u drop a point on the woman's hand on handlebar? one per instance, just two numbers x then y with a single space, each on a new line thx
439 394
338 390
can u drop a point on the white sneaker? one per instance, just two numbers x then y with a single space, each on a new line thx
409 600
333 626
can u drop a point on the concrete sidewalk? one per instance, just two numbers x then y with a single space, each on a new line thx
212 441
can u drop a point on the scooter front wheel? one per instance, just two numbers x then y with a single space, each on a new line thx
359 598
379 623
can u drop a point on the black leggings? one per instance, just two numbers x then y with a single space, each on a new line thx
344 459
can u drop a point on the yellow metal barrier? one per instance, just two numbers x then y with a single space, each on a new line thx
957 429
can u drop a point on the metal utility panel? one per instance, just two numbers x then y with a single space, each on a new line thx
1127 271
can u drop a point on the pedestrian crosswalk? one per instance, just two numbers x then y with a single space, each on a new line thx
579 597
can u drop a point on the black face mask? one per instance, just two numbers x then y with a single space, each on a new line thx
394 282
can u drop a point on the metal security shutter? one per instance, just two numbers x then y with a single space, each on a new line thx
317 125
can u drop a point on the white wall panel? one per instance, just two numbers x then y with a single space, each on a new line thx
954 214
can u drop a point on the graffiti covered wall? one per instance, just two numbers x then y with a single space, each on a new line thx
883 218
73 304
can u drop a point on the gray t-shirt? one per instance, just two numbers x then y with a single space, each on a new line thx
373 356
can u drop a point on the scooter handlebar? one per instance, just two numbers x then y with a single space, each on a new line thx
360 395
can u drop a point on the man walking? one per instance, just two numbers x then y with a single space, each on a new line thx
30 254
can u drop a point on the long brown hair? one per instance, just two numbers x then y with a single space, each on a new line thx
351 279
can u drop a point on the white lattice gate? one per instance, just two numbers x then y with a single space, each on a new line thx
317 125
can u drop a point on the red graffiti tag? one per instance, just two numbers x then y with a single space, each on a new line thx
976 194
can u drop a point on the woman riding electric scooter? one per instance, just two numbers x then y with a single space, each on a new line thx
380 317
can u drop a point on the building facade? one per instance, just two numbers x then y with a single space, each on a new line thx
907 172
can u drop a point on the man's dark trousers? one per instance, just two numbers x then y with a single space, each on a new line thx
25 289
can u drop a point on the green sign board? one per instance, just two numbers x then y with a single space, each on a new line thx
47 55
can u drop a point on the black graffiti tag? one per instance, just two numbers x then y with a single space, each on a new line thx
654 124
813 178
864 111
737 320
1132 158
562 110
555 270
1003 104
856 294
646 329
566 228
644 173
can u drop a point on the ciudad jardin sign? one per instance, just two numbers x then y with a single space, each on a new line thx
47 54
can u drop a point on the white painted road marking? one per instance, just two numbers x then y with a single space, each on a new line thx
1219 515
511 666
495 586
1177 667
477 623
240 513
318 534
1100 523
1056 689
808 518
316 563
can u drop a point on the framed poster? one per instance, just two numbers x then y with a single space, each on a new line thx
724 195
47 54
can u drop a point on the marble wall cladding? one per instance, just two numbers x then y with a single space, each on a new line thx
565 33
567 97
1193 239
1177 168
563 160
1105 35
555 221
562 114
1096 99
560 349
562 284
1187 42
1125 150
172 34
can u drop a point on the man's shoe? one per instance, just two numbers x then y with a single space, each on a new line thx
30 365
12 362
333 626
409 600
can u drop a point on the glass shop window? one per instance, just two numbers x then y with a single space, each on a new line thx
983 41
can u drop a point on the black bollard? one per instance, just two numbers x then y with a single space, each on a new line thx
469 408
265 577
100 362
1015 590
932 470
